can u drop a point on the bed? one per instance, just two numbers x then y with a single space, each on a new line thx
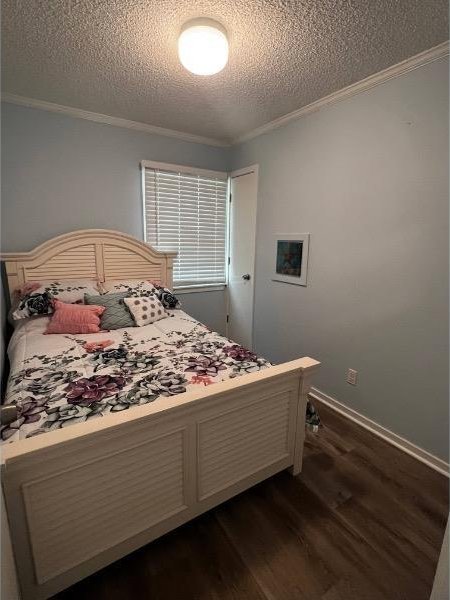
85 487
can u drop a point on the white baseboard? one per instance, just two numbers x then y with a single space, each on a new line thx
389 436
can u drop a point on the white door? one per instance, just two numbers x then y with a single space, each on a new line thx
244 187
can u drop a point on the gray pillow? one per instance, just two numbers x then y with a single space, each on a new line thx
116 314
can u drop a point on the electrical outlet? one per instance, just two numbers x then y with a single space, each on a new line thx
352 376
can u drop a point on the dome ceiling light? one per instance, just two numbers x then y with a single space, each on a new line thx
203 46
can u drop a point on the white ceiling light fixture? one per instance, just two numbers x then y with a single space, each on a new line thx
203 46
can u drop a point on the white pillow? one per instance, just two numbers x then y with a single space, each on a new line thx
134 287
70 290
145 309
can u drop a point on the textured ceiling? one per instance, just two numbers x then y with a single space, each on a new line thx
119 57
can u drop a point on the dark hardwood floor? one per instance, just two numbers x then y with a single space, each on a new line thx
363 521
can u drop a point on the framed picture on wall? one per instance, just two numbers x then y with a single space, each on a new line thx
291 258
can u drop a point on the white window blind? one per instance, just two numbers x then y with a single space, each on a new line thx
187 212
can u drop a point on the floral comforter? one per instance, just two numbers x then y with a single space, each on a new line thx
59 380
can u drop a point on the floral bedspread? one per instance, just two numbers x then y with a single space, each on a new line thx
59 380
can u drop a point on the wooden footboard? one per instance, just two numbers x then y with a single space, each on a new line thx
82 497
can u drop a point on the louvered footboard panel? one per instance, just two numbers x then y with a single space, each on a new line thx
242 441
76 514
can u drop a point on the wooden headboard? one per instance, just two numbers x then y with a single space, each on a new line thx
89 254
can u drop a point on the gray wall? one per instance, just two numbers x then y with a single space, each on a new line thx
368 179
209 308
61 174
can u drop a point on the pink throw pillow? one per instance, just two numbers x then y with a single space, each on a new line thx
75 318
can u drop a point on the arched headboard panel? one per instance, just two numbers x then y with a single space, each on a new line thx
98 254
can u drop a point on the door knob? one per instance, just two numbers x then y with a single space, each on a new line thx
246 277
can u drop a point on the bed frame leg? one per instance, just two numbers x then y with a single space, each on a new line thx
304 387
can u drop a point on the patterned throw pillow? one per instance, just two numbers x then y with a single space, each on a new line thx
166 297
70 291
146 309
35 296
133 287
116 315
33 305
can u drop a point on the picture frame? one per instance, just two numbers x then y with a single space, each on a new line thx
291 258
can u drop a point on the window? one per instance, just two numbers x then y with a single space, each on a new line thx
186 210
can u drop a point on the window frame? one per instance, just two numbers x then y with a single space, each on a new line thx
188 170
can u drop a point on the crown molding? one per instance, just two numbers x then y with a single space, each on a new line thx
78 113
419 60
401 68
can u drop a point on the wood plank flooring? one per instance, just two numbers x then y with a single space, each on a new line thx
363 521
